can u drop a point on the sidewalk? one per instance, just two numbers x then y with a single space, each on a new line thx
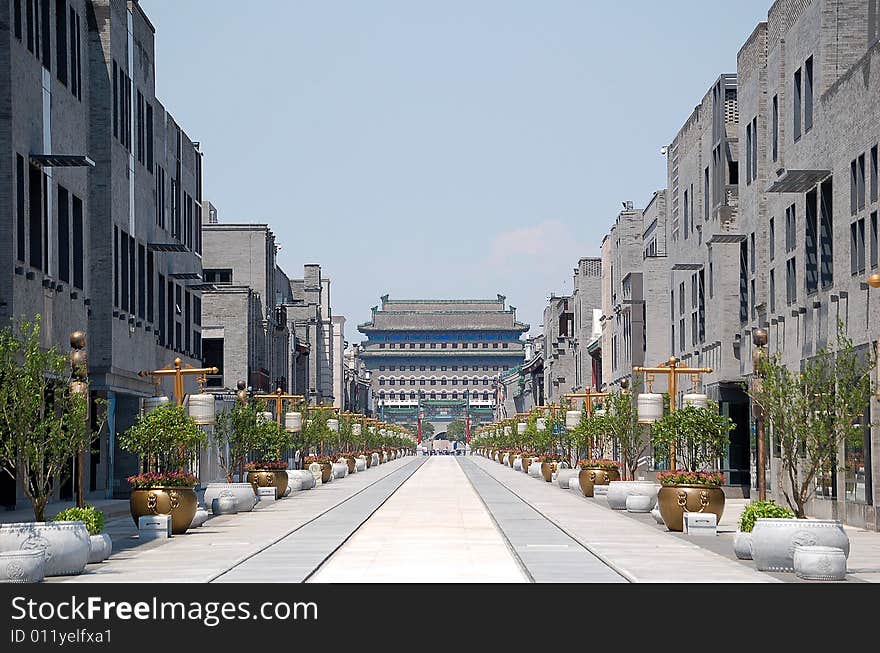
633 549
112 508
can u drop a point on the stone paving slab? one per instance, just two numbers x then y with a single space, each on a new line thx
633 549
434 529
546 552
204 553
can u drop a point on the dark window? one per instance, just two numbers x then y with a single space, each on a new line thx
874 174
860 181
140 150
706 198
775 120
19 205
772 291
78 243
161 323
743 282
686 208
44 29
132 275
826 233
857 246
187 320
169 332
811 270
142 281
150 290
212 275
75 56
160 196
149 137
808 95
874 253
16 17
63 234
772 238
29 11
123 268
754 148
791 280
116 283
178 310
790 228
35 211
61 40
116 99
748 154
701 307
796 129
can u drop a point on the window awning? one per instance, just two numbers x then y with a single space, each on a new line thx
201 286
61 160
726 238
185 275
167 247
687 266
798 181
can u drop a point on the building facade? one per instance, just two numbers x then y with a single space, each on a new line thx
444 356
310 320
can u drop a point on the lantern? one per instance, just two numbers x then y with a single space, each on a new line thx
293 422
356 429
333 424
264 416
521 427
152 403
599 412
201 408
572 419
541 424
650 407
696 400
507 430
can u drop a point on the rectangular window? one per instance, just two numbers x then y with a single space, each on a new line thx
860 181
35 211
160 196
701 307
874 174
808 95
169 313
681 298
151 300
142 281
19 205
149 137
75 60
811 270
874 244
61 40
826 233
775 125
29 11
790 228
752 252
772 238
686 208
161 322
115 100
16 17
45 20
748 154
857 246
123 269
790 281
63 234
754 148
681 335
752 300
139 127
187 321
132 275
796 128
743 282
78 244
116 283
772 291
706 198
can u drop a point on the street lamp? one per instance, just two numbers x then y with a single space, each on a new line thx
79 371
759 339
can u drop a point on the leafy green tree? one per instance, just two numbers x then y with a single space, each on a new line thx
43 422
455 430
814 412
165 439
700 435
620 424
238 432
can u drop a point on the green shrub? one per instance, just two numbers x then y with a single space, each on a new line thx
757 509
90 516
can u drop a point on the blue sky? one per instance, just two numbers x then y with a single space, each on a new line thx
439 149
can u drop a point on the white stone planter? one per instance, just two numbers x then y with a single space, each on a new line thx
563 475
640 502
742 545
294 481
316 472
375 460
655 513
22 566
505 458
199 518
100 547
243 493
224 505
820 563
306 478
340 470
618 491
535 469
65 544
360 464
517 463
574 484
774 541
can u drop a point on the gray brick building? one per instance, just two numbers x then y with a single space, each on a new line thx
104 189
310 318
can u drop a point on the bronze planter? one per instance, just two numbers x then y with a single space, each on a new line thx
326 472
525 464
511 458
268 478
547 471
351 465
179 502
590 476
673 500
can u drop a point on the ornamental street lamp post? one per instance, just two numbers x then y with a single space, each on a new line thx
759 339
79 371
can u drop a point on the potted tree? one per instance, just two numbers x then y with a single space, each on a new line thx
700 437
43 425
813 413
100 544
271 441
166 440
237 433
742 540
